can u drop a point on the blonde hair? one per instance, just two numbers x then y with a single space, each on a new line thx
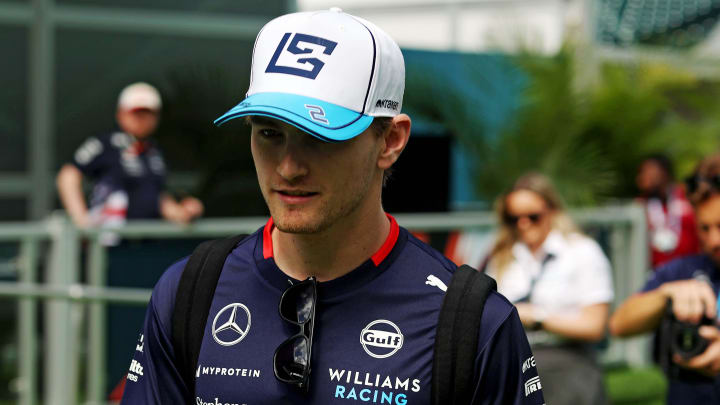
501 254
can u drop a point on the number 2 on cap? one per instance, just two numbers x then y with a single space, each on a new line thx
317 113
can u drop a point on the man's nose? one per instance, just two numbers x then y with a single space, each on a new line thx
524 223
292 164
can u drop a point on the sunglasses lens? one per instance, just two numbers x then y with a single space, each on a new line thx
297 303
514 219
291 359
691 183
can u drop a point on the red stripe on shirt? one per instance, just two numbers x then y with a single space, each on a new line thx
377 258
267 239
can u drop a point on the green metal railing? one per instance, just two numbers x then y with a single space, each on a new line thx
65 298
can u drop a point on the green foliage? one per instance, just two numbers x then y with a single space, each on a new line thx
591 141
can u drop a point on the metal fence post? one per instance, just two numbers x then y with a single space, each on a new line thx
639 353
620 261
96 366
62 337
27 339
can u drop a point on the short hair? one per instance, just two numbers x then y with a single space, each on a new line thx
706 169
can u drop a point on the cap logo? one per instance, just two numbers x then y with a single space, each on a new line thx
317 113
389 104
304 66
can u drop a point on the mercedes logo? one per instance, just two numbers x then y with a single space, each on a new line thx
233 333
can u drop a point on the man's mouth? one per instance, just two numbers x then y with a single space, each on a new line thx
296 197
296 193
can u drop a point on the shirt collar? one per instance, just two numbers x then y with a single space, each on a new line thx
553 245
376 258
371 268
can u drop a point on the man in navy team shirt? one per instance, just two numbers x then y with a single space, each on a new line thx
128 169
692 283
324 105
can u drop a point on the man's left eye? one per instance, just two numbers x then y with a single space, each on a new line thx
269 133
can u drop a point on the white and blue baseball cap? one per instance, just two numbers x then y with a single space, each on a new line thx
327 73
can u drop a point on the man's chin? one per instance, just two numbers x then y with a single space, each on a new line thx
300 226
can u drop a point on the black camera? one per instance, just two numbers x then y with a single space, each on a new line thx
681 338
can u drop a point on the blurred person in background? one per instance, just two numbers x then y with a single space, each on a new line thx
686 290
129 176
561 283
127 167
671 223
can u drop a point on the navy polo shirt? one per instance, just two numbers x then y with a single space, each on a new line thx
119 163
373 337
689 387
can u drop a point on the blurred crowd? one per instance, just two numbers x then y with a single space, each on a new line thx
560 282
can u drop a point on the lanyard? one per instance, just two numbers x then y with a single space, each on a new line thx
659 219
534 280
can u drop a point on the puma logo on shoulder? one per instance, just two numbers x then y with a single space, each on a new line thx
435 282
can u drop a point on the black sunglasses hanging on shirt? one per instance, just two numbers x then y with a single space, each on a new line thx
291 362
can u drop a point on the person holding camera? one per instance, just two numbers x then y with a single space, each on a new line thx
679 302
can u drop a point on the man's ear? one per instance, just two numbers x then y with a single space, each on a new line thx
396 137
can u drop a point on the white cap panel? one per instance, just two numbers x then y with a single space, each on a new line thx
325 58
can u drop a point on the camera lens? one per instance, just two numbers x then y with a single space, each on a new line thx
687 341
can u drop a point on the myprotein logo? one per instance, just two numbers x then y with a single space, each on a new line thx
231 324
381 339
226 371
295 59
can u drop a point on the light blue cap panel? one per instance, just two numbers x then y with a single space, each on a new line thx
324 120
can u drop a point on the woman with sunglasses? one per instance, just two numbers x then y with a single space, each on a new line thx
560 282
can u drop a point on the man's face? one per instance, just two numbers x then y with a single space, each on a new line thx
308 184
708 223
651 179
140 122
529 214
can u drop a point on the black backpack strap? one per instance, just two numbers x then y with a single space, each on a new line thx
192 303
457 334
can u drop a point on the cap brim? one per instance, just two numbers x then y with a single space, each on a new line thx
324 120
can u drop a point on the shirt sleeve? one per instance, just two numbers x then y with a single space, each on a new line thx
595 281
91 157
507 374
153 377
662 274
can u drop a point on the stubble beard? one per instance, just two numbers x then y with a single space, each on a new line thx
329 212
325 216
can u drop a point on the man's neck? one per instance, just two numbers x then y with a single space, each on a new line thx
334 252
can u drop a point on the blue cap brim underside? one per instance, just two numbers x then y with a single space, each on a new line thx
321 119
